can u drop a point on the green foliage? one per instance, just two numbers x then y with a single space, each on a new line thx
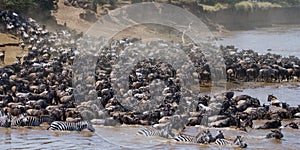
28 6
233 2
44 4
247 6
214 2
103 2
18 5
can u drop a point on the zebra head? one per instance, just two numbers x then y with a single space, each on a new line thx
90 127
166 132
220 135
239 142
207 136
204 137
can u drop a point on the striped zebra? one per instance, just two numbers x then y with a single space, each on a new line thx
35 121
19 120
188 138
71 126
5 120
220 135
2 113
202 137
166 133
237 142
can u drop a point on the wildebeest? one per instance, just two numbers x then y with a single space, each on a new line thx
276 134
268 75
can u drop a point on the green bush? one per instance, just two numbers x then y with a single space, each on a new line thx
43 7
233 2
246 6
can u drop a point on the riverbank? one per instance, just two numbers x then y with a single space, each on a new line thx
222 20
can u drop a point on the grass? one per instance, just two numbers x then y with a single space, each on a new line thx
250 6
214 8
7 38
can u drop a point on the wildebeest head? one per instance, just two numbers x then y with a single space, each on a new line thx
275 134
271 97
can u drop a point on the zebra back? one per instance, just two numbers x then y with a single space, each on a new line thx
71 126
201 137
189 138
46 119
18 120
185 138
35 121
166 133
85 125
222 142
149 132
237 142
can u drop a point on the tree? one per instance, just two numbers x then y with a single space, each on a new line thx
40 7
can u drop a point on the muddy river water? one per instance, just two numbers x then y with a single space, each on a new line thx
282 40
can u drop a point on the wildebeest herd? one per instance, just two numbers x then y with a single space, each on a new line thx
39 87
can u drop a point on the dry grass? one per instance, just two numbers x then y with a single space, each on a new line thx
70 16
250 6
8 39
215 8
10 51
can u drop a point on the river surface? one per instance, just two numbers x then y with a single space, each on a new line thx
282 40
125 137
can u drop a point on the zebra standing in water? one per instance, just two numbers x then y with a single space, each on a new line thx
166 133
237 142
18 121
24 120
35 121
5 120
71 126
202 137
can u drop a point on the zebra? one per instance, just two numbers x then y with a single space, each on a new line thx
202 137
188 138
237 142
35 121
19 120
2 113
5 120
220 135
71 126
166 133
